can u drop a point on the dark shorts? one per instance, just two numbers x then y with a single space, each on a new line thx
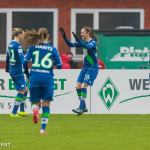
38 93
87 76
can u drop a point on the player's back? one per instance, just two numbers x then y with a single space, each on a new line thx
14 49
42 56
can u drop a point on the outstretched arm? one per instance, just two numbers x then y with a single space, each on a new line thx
62 31
86 46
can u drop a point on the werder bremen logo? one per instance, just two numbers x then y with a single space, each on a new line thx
108 93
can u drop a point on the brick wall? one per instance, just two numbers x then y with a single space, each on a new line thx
64 11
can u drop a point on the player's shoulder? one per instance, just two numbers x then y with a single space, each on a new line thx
19 45
31 48
13 44
93 41
52 47
47 44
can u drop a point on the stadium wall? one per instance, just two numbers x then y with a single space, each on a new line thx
64 12
113 92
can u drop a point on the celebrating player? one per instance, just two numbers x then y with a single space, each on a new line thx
14 61
90 65
41 75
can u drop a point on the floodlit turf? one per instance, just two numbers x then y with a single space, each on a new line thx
71 132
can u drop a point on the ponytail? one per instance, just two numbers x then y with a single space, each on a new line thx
33 37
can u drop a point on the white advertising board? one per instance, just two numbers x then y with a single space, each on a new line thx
113 92
121 92
65 97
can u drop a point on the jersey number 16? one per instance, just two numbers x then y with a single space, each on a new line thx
42 63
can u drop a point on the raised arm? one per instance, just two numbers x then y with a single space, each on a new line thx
62 31
90 45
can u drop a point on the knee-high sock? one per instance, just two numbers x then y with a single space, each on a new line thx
82 94
23 102
83 98
17 103
45 117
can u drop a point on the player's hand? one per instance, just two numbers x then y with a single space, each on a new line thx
7 69
75 36
62 31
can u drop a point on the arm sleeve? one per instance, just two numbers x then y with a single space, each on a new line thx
71 44
20 53
7 60
90 45
26 61
57 59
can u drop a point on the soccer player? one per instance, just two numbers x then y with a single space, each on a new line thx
90 65
14 61
41 75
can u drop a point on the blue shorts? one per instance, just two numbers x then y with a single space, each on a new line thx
38 93
19 82
87 76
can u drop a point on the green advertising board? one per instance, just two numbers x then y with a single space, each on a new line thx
119 51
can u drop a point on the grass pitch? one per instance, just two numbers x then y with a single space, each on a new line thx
71 132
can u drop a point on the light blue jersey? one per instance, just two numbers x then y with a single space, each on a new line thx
43 55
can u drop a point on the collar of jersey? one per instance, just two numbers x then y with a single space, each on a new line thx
15 40
88 41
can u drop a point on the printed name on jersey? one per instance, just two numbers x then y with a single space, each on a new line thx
20 50
44 47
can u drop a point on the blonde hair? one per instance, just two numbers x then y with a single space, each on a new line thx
33 37
17 31
91 32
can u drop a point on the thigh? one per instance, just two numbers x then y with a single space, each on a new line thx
90 76
19 82
81 76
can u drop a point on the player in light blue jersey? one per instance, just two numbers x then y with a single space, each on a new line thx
90 65
41 75
14 61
